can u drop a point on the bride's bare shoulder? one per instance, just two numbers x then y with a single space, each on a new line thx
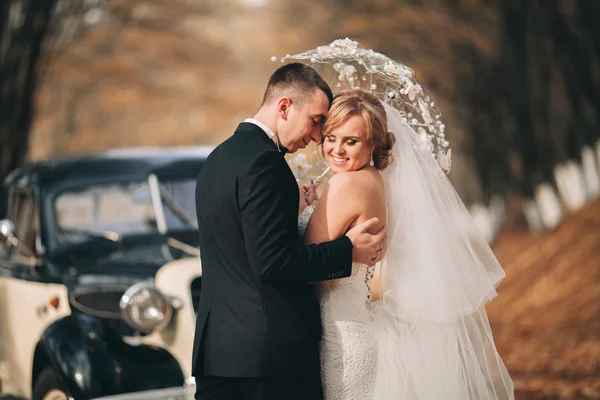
362 181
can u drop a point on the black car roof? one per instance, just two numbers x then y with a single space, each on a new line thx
117 162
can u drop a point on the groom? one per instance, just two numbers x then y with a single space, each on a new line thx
258 324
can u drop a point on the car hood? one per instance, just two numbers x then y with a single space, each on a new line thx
138 258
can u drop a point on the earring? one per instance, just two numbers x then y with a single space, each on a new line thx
371 163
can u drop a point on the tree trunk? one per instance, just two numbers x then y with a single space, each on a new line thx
23 24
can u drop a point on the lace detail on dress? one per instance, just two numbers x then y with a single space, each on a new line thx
303 219
348 348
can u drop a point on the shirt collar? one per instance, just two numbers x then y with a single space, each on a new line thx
267 130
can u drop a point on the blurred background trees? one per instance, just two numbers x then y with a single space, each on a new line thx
23 24
534 110
517 80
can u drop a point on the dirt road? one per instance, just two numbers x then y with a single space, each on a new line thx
546 319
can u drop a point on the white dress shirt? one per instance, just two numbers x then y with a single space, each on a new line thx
267 130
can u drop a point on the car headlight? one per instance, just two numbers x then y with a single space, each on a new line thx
145 308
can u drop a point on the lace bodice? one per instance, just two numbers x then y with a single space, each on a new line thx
347 298
303 220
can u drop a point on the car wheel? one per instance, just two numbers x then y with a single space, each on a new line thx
47 387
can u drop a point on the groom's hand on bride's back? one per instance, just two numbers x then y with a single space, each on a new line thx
367 248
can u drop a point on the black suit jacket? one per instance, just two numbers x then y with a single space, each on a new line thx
258 316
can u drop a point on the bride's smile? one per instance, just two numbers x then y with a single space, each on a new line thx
346 147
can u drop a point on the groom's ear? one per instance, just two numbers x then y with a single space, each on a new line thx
283 106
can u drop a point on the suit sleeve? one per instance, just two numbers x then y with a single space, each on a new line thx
269 211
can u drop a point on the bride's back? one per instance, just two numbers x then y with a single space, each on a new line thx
349 199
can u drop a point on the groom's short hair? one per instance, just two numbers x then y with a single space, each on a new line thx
296 81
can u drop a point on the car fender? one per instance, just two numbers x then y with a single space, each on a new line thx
174 279
27 308
91 361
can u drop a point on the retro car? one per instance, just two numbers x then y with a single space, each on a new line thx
100 276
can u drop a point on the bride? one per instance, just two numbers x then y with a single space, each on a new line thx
414 326
356 145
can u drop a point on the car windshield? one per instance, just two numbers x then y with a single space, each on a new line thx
178 198
114 210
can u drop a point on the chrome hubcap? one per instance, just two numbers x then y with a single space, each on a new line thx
56 394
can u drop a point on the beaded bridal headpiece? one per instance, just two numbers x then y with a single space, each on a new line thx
345 65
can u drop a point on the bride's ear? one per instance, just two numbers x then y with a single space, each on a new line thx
283 106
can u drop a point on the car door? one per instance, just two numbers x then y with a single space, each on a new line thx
28 303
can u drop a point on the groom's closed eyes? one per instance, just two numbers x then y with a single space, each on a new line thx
318 120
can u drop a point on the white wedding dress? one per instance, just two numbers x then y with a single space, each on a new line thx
348 347
359 344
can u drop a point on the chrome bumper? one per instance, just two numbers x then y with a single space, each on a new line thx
177 393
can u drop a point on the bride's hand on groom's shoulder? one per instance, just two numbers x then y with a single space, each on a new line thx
367 248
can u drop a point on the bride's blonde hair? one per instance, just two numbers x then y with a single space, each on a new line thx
360 103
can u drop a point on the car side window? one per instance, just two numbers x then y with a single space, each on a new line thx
23 213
